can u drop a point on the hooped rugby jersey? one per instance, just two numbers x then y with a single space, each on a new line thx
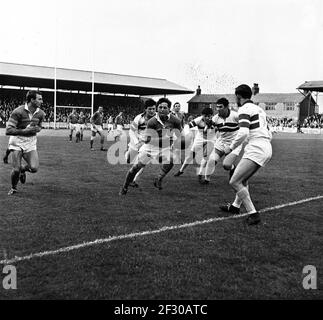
205 131
21 118
254 118
139 125
227 127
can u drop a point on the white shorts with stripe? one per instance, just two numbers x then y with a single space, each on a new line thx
24 144
259 151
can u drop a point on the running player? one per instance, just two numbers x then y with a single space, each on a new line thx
258 151
137 134
110 124
82 123
96 127
158 144
226 122
72 120
119 122
23 125
203 141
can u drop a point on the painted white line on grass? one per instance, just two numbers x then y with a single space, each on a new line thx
148 232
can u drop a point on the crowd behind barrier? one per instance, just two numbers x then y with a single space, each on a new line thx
129 112
7 105
314 122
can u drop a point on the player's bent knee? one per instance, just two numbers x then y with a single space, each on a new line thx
33 169
234 184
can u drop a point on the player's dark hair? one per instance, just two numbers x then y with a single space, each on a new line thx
150 103
207 111
32 95
176 104
244 91
162 100
223 101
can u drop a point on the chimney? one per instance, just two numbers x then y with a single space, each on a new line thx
255 89
198 91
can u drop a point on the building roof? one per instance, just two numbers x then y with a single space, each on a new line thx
259 98
22 75
312 86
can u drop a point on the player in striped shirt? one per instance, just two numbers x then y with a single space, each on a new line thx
23 125
96 127
258 151
203 142
226 122
137 135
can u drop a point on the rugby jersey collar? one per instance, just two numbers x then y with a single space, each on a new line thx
248 101
159 120
26 108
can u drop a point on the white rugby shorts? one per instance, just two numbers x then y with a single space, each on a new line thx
96 128
259 151
148 153
72 126
21 143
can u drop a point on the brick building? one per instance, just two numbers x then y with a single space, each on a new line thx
278 105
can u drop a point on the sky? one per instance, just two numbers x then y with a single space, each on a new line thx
215 44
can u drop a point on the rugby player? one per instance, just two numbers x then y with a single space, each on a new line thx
81 127
119 122
72 120
226 122
178 113
22 127
96 127
203 141
137 134
159 138
257 153
110 124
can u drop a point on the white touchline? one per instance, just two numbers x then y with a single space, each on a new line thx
148 232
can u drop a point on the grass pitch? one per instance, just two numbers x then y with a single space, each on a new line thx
74 199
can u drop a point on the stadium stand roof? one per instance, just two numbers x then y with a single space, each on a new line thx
259 98
22 75
312 86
